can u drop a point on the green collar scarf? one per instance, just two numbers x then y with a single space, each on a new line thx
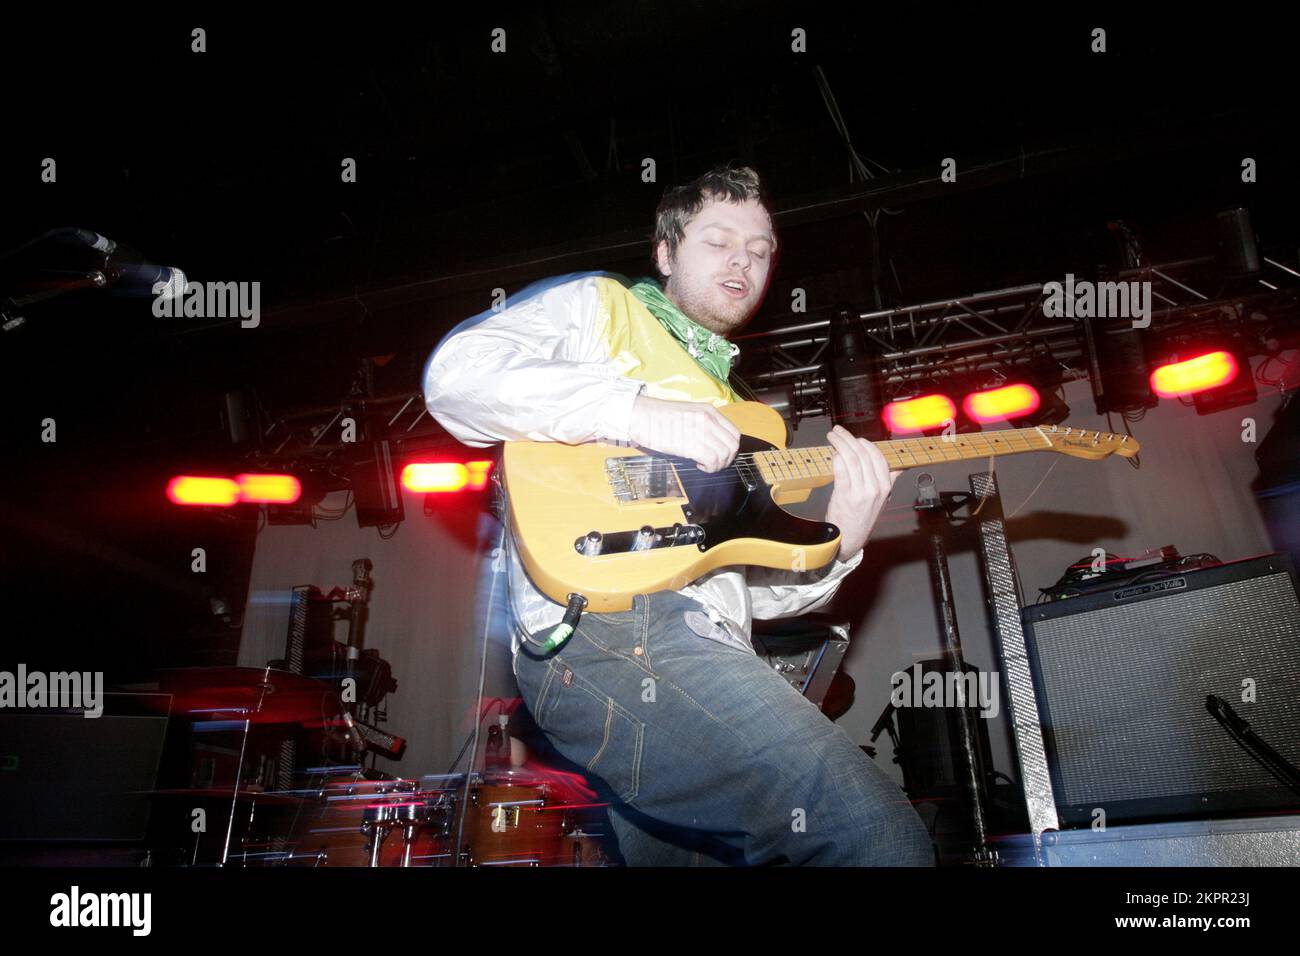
713 352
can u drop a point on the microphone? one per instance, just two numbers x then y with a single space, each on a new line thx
86 237
131 274
127 271
146 279
354 736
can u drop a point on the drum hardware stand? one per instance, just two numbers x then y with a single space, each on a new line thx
358 597
935 512
239 767
381 821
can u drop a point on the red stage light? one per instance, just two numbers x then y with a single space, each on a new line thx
1194 375
919 414
1000 404
427 476
269 489
196 490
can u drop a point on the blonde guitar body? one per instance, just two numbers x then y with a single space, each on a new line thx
609 522
560 494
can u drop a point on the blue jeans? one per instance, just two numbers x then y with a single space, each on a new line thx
707 755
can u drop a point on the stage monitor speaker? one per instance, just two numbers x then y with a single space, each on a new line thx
929 738
1119 371
1122 678
1238 250
375 488
853 376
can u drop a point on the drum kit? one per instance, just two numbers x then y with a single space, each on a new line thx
499 816
504 817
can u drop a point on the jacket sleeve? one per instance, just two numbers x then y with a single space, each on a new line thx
536 371
774 593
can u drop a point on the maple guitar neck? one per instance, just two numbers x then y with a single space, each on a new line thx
812 467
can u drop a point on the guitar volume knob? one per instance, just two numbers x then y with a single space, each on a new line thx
645 539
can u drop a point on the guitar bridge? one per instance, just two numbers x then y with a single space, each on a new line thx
642 478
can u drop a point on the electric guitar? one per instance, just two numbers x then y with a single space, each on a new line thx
608 522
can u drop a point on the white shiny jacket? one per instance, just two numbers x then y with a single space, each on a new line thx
541 370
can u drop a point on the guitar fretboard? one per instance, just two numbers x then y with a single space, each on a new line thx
792 464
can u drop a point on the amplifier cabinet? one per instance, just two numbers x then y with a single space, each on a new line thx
1122 677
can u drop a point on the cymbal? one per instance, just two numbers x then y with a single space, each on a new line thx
261 695
227 793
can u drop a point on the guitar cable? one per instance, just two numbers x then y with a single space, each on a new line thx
561 633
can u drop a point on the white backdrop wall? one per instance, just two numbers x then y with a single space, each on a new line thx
432 577
425 616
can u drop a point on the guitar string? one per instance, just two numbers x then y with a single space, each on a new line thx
815 455
692 481
1028 435
692 478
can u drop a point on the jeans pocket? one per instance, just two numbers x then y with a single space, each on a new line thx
592 729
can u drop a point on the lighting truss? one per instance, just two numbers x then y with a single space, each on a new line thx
1002 328
995 329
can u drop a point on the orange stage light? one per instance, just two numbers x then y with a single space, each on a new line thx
269 489
919 414
478 474
427 476
1194 375
1000 404
435 476
197 490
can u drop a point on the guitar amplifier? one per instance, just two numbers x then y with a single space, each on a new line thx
66 778
1122 678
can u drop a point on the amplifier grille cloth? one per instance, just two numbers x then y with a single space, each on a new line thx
1127 688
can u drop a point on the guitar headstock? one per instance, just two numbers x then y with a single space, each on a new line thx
1084 443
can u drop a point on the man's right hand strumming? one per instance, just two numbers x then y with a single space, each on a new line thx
694 430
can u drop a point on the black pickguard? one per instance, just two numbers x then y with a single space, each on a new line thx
727 509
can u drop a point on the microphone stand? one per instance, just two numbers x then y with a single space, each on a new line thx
934 514
1254 745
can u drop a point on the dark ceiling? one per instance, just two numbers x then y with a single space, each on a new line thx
478 169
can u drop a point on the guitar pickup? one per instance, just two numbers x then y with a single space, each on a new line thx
646 538
642 478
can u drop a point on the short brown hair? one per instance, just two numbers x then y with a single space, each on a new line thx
681 204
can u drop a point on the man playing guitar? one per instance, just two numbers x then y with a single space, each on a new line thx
706 754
